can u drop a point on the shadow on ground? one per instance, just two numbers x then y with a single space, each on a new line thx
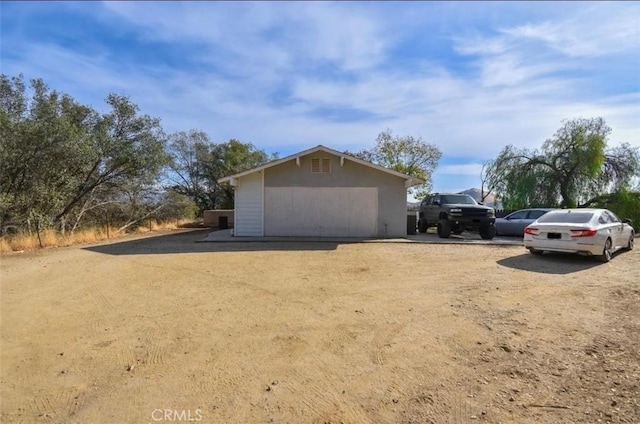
550 263
188 242
464 238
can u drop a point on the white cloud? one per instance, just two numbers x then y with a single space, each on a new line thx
463 169
600 30
513 90
291 32
510 69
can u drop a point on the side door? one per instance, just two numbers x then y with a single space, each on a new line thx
515 223
434 209
617 229
425 205
604 221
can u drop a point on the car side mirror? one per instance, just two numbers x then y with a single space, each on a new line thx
626 221
436 202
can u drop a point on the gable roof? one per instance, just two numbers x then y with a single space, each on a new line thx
409 180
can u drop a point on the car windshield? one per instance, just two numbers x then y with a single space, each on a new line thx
450 199
566 217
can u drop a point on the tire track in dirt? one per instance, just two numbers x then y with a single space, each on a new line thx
59 403
187 308
159 342
101 301
100 316
126 391
459 412
74 399
439 405
382 339
155 349
126 357
323 397
42 405
443 395
229 380
41 402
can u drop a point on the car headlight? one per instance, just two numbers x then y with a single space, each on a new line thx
454 210
491 212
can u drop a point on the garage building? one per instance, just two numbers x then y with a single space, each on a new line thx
320 192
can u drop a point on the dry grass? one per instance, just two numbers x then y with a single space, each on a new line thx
53 238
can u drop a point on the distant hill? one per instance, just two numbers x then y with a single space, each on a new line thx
473 192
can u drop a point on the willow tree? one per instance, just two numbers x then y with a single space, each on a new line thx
571 168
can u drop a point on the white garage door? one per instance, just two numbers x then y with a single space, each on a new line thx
321 211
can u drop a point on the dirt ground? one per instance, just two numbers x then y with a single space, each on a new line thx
164 329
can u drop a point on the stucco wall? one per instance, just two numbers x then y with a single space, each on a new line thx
210 217
392 195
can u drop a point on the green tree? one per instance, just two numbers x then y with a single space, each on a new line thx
190 153
197 164
406 154
124 147
231 158
61 159
624 202
43 141
176 206
570 168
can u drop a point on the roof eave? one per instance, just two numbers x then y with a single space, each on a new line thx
409 180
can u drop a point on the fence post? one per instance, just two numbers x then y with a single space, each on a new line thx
38 231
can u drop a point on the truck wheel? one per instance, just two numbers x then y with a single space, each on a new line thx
487 232
422 226
444 228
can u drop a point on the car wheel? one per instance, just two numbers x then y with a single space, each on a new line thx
631 241
422 226
487 232
536 252
606 252
444 228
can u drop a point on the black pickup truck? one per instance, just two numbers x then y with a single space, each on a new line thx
455 213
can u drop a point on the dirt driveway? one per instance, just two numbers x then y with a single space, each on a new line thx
164 329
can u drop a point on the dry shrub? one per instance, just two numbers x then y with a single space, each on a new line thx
50 238
5 246
24 242
90 235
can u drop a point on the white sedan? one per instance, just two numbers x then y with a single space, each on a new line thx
593 232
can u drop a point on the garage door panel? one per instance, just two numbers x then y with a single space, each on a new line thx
321 211
363 213
278 207
330 205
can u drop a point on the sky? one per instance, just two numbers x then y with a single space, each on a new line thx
468 77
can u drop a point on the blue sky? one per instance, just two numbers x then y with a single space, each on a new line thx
469 77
